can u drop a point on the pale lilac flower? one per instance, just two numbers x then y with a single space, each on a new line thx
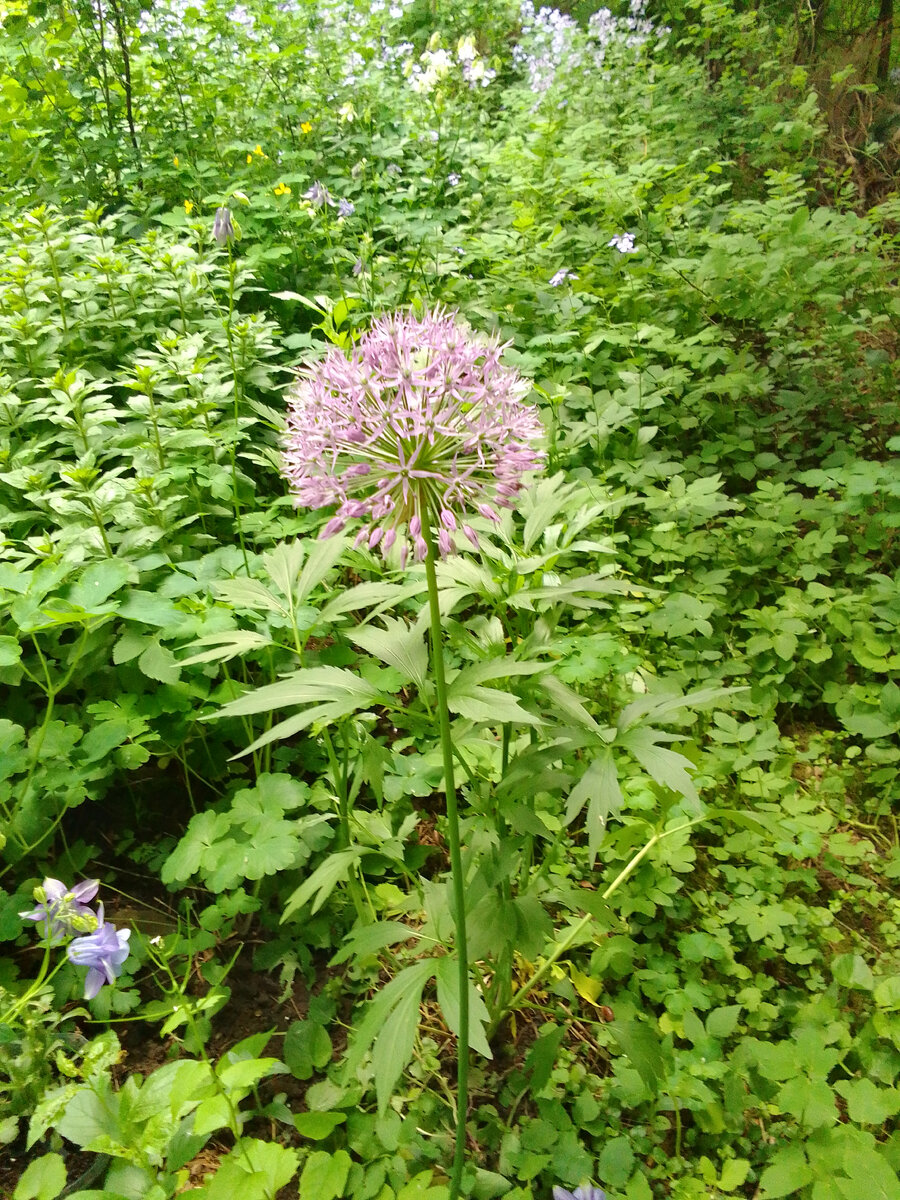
453 179
624 243
561 276
103 952
223 229
346 208
585 1192
318 195
63 911
422 423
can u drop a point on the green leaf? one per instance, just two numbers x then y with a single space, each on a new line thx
158 662
811 1101
42 1179
324 879
313 684
98 582
600 786
324 1175
641 1044
318 1125
866 1103
92 1113
224 646
406 985
399 645
852 971
393 1046
10 651
307 1048
361 943
664 766
787 1176
616 1162
447 974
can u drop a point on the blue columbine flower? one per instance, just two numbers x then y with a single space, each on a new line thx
62 911
318 195
561 276
346 208
103 952
585 1192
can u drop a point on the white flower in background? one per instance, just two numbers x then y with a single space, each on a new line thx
347 113
465 49
624 243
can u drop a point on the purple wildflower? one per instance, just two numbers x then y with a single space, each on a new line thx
421 424
624 243
318 195
453 179
103 952
585 1192
346 208
62 911
561 276
223 229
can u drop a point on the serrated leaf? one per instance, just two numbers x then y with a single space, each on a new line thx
224 646
393 1046
324 879
447 976
158 662
399 645
360 943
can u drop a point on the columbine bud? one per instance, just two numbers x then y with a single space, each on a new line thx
223 229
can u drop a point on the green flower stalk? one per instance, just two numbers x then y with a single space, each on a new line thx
418 429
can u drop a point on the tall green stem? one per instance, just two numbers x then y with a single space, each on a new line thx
456 871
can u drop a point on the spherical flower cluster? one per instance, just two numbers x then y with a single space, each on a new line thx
421 426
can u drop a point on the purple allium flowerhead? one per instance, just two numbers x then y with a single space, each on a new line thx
421 425
584 1192
103 952
63 911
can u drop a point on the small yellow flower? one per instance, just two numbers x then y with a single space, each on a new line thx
282 190
188 207
175 162
259 151
305 127
249 158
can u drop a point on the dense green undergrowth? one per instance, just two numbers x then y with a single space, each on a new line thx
672 670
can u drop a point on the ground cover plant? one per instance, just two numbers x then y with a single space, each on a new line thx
467 767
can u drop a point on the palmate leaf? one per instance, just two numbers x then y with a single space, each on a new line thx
491 706
225 645
399 645
581 592
599 786
447 975
664 766
371 598
390 1022
324 879
327 685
